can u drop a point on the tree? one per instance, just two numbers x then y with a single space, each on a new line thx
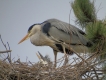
95 29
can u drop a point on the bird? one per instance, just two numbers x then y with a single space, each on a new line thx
59 35
43 60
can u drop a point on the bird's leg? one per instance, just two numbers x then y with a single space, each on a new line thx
55 55
64 49
66 58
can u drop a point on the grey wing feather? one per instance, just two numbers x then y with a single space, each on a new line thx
65 32
63 26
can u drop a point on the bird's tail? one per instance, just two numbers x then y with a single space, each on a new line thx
79 49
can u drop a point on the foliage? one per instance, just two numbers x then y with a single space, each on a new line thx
84 11
96 32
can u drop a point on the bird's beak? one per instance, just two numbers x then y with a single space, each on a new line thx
38 56
25 38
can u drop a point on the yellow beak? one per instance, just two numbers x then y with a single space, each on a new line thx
25 38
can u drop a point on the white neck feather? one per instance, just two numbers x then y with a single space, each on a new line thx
36 28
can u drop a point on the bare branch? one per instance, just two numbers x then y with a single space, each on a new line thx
5 51
3 42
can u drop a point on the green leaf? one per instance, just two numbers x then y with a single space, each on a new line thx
84 11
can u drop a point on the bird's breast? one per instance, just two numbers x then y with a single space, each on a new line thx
40 39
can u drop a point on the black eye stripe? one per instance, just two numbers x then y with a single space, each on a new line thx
32 27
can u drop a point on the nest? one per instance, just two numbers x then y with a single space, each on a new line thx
78 69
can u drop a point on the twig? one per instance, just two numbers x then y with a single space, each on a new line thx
6 58
5 51
9 54
3 42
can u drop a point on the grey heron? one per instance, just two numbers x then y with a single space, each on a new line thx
43 60
55 33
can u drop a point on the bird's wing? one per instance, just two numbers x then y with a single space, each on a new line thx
62 31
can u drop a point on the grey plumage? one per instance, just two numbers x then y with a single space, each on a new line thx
43 60
55 32
67 33
64 32
58 34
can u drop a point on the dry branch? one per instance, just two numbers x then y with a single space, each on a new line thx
5 51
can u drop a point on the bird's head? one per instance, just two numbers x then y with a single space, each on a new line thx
31 31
